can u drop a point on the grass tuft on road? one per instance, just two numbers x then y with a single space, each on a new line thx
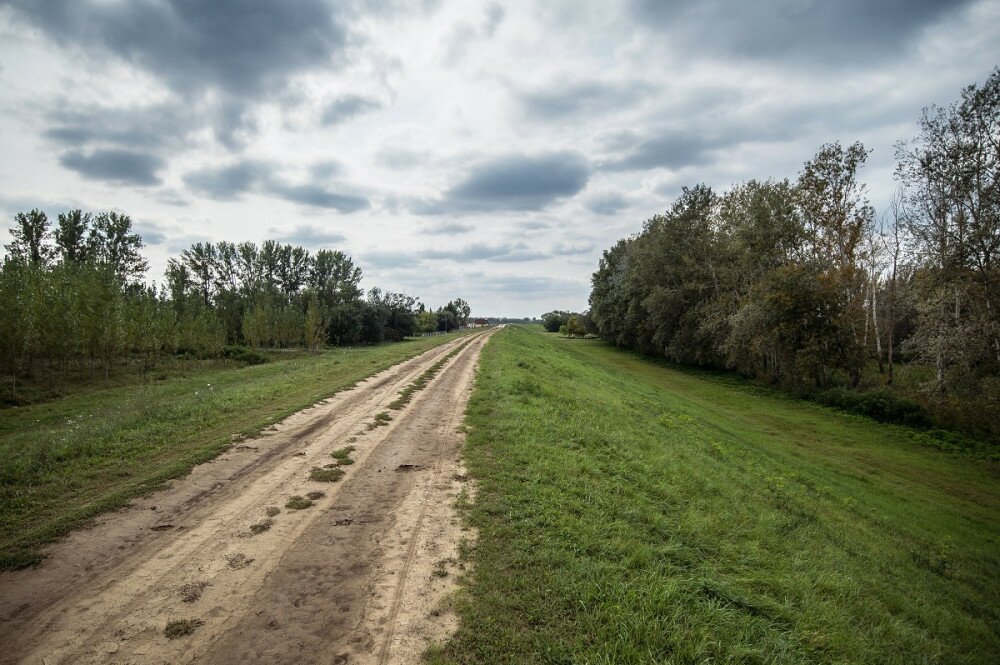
70 459
631 513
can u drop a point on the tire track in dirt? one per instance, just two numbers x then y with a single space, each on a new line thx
296 586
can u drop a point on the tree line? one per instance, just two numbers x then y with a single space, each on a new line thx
802 284
73 297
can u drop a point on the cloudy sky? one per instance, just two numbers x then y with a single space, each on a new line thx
454 148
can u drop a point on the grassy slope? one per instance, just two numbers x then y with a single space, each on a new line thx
69 459
632 513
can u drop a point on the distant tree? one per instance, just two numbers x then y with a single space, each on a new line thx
314 327
462 311
28 239
553 321
113 243
574 327
447 319
427 321
951 176
256 326
179 282
838 218
200 260
71 236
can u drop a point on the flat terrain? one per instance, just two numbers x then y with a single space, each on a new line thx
67 460
331 537
631 513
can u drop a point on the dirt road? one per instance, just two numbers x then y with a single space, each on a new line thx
361 576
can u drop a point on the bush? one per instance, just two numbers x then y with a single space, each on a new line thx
880 405
244 355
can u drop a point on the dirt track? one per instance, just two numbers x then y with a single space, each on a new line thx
362 576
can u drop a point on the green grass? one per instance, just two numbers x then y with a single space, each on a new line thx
632 513
65 461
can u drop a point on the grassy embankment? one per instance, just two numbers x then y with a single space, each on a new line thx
631 513
66 460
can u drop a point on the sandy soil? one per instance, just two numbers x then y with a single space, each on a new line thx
362 576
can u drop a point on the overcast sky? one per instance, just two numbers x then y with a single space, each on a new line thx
488 151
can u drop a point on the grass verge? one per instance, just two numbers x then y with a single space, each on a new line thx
65 461
631 513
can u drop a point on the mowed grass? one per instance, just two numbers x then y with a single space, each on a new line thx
69 459
631 513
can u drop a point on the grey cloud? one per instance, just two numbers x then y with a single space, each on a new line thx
233 123
533 225
506 252
447 229
151 232
827 33
389 260
512 183
308 236
10 205
344 108
557 101
494 17
531 286
673 149
464 34
400 158
607 204
128 167
317 196
178 243
458 42
171 197
564 249
149 126
239 46
231 181
219 57
325 169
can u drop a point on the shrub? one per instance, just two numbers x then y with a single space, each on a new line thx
880 405
244 355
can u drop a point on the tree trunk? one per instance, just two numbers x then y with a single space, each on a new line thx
888 378
878 340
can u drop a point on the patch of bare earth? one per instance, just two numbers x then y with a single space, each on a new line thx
361 575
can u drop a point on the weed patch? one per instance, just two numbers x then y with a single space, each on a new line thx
343 455
238 561
322 475
261 527
381 419
298 503
181 627
192 591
